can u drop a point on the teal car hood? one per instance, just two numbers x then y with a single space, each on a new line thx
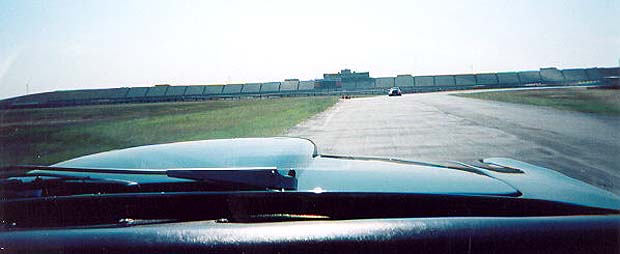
314 173
326 174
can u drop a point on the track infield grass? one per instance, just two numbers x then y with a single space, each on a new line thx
600 101
46 136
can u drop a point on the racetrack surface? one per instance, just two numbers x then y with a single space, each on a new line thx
440 127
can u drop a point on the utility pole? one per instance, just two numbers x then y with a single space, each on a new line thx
28 85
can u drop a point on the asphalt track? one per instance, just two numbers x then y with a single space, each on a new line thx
440 127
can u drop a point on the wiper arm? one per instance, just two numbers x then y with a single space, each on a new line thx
262 177
266 177
45 184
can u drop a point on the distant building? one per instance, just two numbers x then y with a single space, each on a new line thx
346 75
335 80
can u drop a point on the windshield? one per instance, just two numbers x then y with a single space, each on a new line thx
529 80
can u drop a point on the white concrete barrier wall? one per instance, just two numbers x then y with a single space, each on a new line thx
385 82
232 88
32 98
290 85
404 80
348 85
251 88
424 81
91 94
447 80
551 75
575 75
525 77
137 92
156 91
611 71
594 74
194 90
176 90
118 92
270 87
79 95
57 95
464 80
528 77
365 84
486 79
213 89
75 95
508 78
306 85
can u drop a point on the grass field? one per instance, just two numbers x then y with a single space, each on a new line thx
44 136
603 101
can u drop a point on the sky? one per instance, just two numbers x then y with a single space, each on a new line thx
63 45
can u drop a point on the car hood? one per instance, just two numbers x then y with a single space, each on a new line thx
316 173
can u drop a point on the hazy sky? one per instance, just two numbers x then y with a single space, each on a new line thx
52 45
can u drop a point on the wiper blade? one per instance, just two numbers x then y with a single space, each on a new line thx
387 159
262 177
475 166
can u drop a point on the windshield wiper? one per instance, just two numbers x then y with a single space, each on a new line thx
39 184
474 166
15 178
